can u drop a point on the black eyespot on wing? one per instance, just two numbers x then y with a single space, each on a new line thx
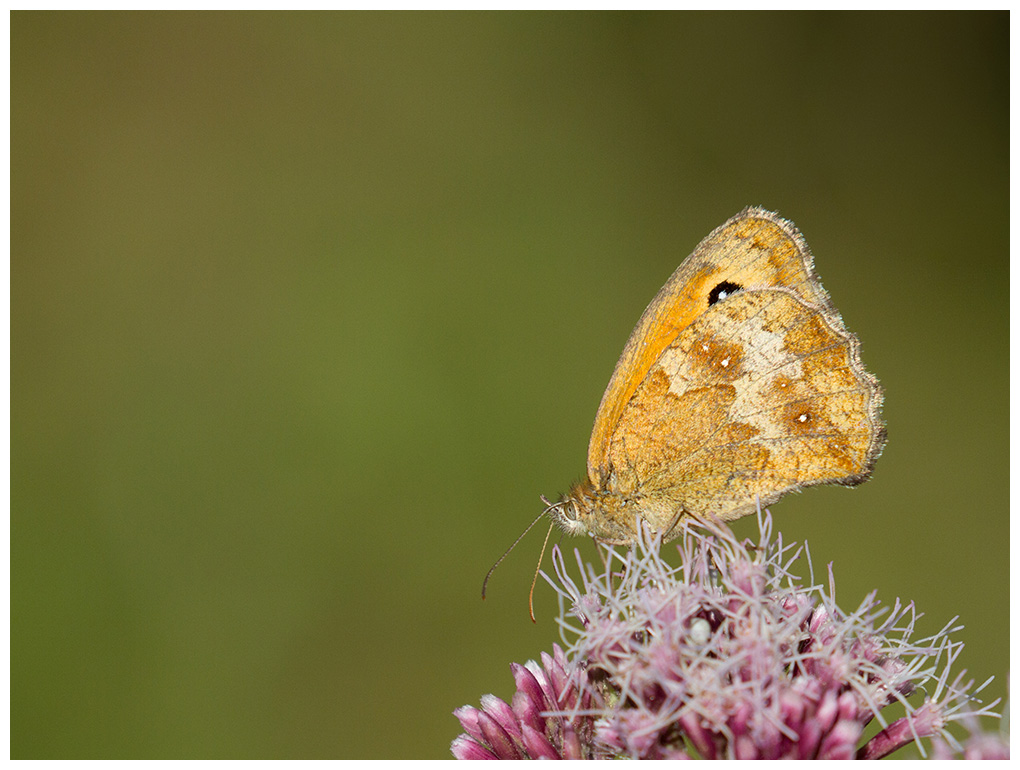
722 291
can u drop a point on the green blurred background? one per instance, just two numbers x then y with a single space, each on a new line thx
309 309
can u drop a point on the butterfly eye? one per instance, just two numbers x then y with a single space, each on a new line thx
722 291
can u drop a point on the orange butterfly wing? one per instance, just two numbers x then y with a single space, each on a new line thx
754 249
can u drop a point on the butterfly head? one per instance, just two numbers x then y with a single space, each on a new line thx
568 513
598 513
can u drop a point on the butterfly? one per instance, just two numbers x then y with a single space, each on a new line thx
738 385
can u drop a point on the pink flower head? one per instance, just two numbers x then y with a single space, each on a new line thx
727 656
550 716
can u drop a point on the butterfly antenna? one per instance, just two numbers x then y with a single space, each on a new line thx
538 568
508 550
